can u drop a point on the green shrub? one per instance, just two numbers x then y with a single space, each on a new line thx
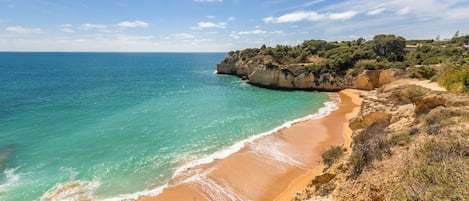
423 72
411 93
332 155
400 139
433 60
366 65
455 79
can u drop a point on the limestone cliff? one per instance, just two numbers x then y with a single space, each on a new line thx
263 71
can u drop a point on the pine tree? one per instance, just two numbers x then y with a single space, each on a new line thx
456 34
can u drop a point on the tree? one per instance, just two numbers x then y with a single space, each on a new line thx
361 41
456 34
389 46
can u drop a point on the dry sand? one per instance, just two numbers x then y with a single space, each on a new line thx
273 167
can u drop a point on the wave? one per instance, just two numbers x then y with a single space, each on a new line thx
75 190
328 107
11 179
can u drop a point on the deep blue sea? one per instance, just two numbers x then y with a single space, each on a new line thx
113 125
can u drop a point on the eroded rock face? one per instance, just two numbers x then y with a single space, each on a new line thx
264 72
429 102
272 78
367 80
369 119
372 79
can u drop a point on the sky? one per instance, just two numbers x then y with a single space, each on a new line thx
217 25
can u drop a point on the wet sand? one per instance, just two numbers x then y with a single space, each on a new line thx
273 167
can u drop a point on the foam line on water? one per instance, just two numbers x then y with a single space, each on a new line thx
212 190
135 196
11 179
271 151
74 190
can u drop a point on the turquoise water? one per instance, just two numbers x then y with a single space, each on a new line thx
104 125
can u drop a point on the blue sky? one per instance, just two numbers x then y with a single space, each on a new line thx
217 25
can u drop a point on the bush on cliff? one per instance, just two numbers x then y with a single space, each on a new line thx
369 144
455 78
332 155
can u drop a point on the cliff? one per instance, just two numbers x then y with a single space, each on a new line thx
409 143
265 71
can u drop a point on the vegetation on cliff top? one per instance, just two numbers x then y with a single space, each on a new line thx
444 61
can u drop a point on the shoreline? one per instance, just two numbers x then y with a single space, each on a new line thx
270 167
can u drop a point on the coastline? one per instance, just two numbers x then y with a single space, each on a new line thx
349 100
271 167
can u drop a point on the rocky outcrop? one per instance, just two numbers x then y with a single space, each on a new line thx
367 120
264 72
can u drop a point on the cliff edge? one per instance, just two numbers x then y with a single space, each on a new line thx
265 71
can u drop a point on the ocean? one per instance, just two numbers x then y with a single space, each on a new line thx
109 126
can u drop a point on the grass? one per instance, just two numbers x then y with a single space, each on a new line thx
438 171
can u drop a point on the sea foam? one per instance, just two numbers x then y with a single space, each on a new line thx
11 179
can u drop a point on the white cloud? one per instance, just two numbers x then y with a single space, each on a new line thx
342 16
301 6
237 35
183 35
22 30
310 16
104 31
403 11
458 13
88 26
231 18
134 24
210 16
67 30
256 31
123 37
204 25
375 11
234 35
208 1
295 17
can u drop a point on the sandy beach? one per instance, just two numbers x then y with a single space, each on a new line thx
273 167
